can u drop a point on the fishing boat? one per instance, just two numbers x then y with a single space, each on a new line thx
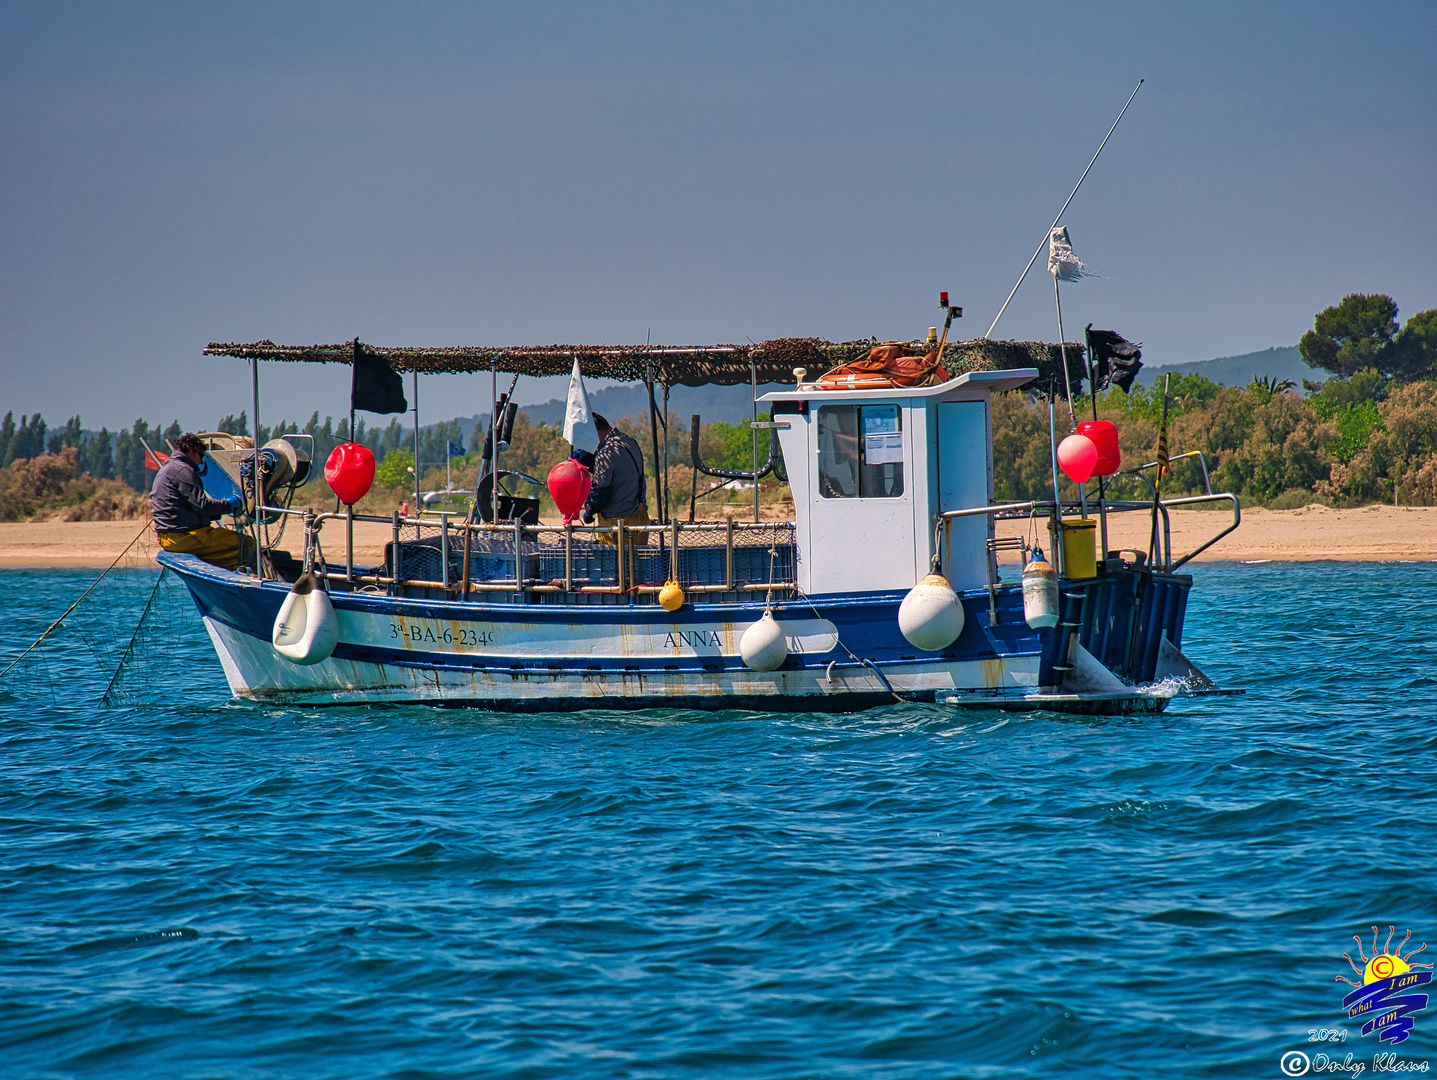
884 585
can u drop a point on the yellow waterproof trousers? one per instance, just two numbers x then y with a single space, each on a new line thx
638 517
224 548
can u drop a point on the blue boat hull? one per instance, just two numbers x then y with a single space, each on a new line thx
845 652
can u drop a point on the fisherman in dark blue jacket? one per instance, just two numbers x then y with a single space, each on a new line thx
183 510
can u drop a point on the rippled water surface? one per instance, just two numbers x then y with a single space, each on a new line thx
208 888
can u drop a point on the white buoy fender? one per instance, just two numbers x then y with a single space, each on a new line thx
306 630
931 616
763 646
1040 592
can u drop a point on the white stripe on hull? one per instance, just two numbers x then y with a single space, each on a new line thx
478 638
255 670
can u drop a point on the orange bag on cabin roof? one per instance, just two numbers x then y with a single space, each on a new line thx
884 367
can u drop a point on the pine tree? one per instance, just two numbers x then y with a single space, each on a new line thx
29 439
70 435
7 440
130 453
96 456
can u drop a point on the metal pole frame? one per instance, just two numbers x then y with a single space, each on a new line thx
1153 550
494 442
444 547
666 452
1057 544
1093 394
753 428
394 556
254 471
1068 382
653 441
417 503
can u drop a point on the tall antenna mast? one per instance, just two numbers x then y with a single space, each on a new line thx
1060 212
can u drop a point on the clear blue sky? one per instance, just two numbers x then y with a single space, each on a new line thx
472 173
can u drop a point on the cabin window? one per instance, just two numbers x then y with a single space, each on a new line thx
860 451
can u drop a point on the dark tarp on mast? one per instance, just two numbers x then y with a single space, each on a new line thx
375 386
1115 359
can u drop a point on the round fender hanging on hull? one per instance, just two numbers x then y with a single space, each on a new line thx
763 645
671 596
931 616
1040 592
306 630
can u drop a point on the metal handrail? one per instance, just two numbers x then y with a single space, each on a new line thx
1122 506
621 535
772 465
1140 469
1236 521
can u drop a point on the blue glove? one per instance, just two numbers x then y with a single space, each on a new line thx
236 502
588 518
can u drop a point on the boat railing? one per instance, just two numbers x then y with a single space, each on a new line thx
1162 558
1139 470
459 558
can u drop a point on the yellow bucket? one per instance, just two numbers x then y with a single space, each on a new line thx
1080 547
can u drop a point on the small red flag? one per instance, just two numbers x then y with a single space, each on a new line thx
154 459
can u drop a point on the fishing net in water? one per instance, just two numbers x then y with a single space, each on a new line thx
117 639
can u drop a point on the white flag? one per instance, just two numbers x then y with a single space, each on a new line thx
579 429
1062 263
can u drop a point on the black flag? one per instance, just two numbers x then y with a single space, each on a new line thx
377 387
1115 359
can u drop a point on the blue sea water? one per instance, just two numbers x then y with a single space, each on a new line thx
214 889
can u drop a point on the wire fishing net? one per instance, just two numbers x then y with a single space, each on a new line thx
114 639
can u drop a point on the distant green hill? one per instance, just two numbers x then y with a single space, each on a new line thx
1279 363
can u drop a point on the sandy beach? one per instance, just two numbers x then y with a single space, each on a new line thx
1376 533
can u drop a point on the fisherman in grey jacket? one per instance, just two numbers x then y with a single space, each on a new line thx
183 510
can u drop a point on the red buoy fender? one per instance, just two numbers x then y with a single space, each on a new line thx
350 472
570 484
1104 434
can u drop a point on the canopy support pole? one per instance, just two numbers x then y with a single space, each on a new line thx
494 442
654 442
353 367
254 469
1093 388
666 453
1068 383
753 429
417 504
1057 546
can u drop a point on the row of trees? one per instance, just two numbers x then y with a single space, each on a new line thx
122 456
97 454
83 475
1367 434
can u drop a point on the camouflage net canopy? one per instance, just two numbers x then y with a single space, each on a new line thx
674 365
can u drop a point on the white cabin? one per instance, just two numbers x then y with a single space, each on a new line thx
872 471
